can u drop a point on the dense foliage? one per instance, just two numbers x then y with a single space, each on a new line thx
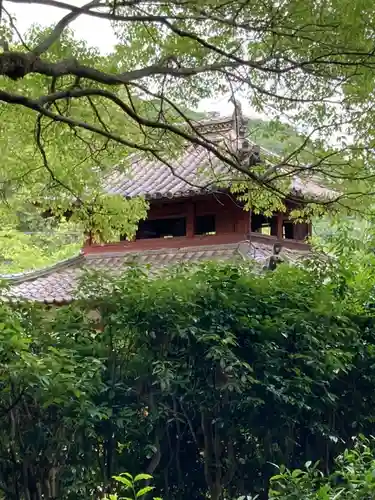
69 114
206 378
29 241
202 377
353 477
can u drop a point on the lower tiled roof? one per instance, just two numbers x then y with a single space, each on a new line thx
58 284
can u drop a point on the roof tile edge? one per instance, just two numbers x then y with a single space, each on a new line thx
39 273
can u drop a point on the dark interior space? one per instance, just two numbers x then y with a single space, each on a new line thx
262 224
205 224
288 230
162 228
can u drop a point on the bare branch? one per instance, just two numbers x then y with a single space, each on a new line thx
17 65
14 27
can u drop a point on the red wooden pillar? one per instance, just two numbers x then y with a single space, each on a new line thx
274 223
301 230
243 224
190 220
250 214
238 221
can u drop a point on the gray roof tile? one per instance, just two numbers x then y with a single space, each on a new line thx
196 170
153 179
57 284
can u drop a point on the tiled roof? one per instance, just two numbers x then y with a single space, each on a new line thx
54 284
196 170
311 188
153 179
57 284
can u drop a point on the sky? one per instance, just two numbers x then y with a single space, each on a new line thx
97 33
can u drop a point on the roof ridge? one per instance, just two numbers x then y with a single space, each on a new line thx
38 273
58 285
124 253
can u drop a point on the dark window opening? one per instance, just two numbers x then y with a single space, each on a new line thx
162 228
205 224
261 224
288 230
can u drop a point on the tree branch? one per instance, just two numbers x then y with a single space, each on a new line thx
76 93
38 139
60 26
16 65
36 106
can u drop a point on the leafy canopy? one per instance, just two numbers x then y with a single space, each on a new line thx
69 113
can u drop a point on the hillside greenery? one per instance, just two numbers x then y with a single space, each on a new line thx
30 241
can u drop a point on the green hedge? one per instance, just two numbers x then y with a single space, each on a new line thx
205 378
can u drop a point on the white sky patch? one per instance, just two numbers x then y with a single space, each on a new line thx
96 32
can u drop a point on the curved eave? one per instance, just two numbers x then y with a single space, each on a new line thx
19 278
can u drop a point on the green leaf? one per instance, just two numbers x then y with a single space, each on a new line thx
123 480
140 477
144 490
127 474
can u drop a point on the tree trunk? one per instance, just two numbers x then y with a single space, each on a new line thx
215 491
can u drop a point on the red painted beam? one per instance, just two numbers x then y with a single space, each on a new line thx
182 242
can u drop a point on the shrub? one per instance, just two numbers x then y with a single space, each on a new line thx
201 377
352 479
